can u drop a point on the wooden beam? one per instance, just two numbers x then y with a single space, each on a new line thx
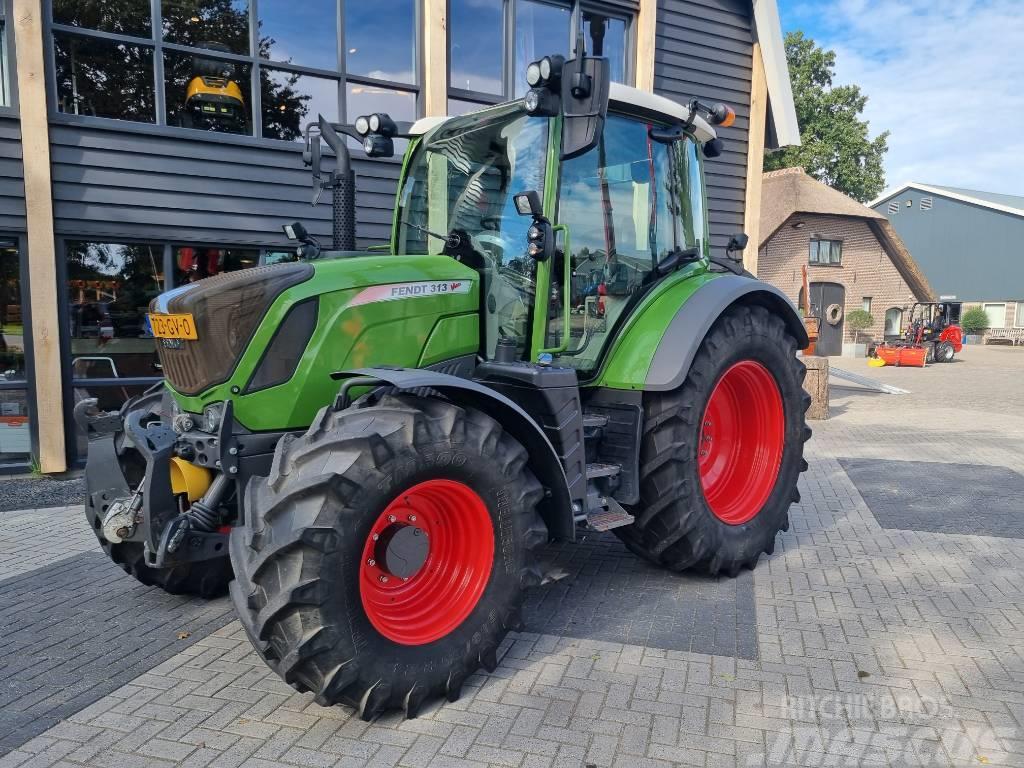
646 30
42 260
755 159
435 58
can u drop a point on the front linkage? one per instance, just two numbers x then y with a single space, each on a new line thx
160 493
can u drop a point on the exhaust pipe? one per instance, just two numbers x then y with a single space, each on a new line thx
342 181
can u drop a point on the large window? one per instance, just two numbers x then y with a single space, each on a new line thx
108 290
491 43
463 181
15 440
261 68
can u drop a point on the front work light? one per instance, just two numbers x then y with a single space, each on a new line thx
362 125
295 231
211 417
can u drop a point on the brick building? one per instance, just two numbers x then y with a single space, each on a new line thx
854 257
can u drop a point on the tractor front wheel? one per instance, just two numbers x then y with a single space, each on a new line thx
385 557
721 455
945 352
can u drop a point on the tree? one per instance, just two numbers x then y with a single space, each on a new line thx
858 320
835 146
974 320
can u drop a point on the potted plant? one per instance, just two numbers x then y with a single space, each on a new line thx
857 321
974 321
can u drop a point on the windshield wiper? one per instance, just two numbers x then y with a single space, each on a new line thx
452 239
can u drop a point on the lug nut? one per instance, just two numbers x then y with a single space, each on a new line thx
412 518
391 518
383 579
375 536
371 561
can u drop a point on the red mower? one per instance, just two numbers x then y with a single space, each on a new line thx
932 335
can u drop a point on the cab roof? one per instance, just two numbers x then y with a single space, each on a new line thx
623 98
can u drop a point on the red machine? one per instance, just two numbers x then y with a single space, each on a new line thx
933 335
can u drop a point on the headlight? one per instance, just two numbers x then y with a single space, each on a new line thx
211 417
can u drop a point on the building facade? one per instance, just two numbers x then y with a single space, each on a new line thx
853 257
119 179
970 244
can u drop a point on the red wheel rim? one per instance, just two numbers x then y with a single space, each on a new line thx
741 441
431 602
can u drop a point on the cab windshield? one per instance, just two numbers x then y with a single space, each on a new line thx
460 181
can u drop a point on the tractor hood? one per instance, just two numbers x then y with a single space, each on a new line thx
226 309
268 338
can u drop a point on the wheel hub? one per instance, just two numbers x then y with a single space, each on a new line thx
401 550
426 562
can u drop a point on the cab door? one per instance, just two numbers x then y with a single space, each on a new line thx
625 204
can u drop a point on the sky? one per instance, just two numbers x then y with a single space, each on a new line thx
945 77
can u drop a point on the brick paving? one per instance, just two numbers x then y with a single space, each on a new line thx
874 645
941 498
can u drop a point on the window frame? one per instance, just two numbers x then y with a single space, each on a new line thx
508 54
828 263
1018 316
158 45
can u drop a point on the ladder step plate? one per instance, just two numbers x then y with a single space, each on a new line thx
599 469
606 519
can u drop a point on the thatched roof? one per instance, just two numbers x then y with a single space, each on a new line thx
791 191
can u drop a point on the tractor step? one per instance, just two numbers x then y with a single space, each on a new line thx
594 420
608 517
601 469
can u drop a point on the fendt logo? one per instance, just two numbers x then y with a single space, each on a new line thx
418 290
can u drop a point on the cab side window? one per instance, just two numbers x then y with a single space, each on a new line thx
620 203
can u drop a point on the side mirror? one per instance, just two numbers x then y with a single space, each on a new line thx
737 243
586 85
540 237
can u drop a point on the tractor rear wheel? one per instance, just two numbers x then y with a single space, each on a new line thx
945 352
206 578
721 455
385 557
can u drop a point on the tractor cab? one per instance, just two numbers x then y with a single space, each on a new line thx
622 212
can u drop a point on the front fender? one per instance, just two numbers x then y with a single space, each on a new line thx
668 333
556 507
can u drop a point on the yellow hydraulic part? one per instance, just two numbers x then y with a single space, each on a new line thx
876 362
213 86
189 479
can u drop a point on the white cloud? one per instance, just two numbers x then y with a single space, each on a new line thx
945 77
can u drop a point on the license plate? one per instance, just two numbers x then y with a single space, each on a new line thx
173 326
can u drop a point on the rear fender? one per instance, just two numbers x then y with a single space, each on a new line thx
658 342
556 507
691 323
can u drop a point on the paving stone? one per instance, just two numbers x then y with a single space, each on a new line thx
940 498
72 645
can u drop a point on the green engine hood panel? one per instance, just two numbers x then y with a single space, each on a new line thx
373 310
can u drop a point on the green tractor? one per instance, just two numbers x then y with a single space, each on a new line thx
367 448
